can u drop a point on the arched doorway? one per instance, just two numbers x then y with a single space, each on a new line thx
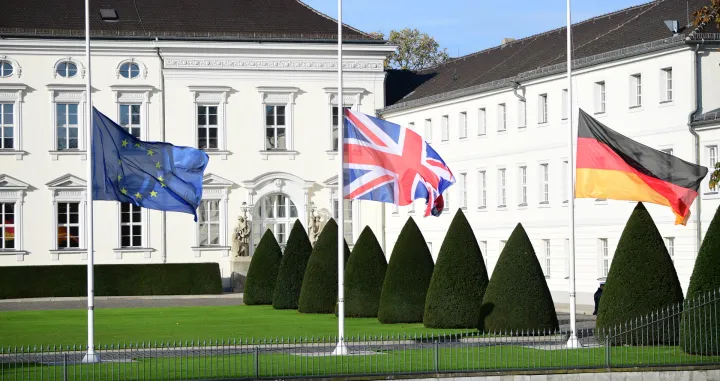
276 212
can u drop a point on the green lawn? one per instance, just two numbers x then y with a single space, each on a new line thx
127 325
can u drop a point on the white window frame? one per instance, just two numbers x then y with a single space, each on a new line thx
17 69
502 117
79 65
565 104
462 125
482 188
354 219
547 251
279 96
211 96
445 128
600 97
141 66
711 155
482 122
670 245
463 190
129 94
603 255
13 191
522 183
502 187
427 131
214 188
13 94
543 108
352 98
544 182
74 93
522 114
68 188
446 199
145 231
666 85
565 180
636 90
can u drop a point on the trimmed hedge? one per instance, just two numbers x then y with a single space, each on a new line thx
641 280
292 269
459 280
364 276
517 296
263 271
110 280
698 334
407 278
319 288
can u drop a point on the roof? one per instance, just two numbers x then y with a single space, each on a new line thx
176 19
634 30
710 117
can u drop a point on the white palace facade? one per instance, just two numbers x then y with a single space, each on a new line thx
499 118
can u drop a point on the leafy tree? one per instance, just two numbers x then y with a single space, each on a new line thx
416 50
364 276
459 280
263 271
292 269
708 14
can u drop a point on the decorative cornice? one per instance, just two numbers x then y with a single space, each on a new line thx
249 64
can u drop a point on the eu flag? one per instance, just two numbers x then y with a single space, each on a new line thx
153 175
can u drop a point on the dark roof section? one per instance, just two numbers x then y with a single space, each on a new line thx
633 30
254 20
710 117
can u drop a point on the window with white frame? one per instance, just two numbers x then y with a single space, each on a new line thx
129 70
210 131
522 114
462 125
279 213
565 180
68 225
209 222
428 130
445 128
501 246
667 85
207 127
635 90
483 251
712 154
278 104
670 244
604 255
11 202
68 128
6 69
66 69
600 97
7 125
522 177
69 205
8 226
131 225
482 189
482 122
275 128
336 121
463 190
565 104
544 183
446 199
546 252
11 101
502 198
211 229
347 217
502 118
542 108
130 119
350 101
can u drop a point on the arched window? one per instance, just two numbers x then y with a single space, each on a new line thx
129 70
277 213
6 69
66 69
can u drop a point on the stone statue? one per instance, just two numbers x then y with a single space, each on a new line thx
315 226
241 237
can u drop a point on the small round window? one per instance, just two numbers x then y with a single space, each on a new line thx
66 69
6 69
129 70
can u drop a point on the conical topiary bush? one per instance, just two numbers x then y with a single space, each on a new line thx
319 288
407 278
263 271
458 281
364 276
700 326
292 269
517 297
641 281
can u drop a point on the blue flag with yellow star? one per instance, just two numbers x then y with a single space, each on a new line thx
153 175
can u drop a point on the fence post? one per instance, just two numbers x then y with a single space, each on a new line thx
437 356
607 351
257 362
65 375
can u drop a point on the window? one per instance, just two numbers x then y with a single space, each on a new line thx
129 70
712 152
544 183
275 128
565 104
463 190
600 97
336 119
446 198
210 119
667 85
445 129
523 185
130 119
7 225
482 122
542 109
428 130
66 118
7 126
347 217
670 244
209 222
546 251
501 246
68 225
604 257
522 114
462 125
6 69
502 200
429 245
668 151
66 69
131 229
482 190
502 118
565 182
207 127
483 251
636 90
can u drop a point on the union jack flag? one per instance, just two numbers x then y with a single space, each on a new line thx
389 163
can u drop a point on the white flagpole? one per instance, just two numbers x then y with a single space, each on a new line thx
341 349
573 340
91 356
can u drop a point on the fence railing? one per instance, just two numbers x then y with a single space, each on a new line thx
666 337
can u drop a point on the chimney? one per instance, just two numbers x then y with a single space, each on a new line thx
507 39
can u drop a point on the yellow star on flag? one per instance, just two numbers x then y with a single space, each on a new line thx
157 165
162 184
119 177
138 195
150 152
124 143
161 179
153 194
119 161
123 191
137 145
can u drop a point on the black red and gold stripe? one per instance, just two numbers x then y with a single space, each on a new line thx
612 166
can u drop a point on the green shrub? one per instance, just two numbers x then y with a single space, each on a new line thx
641 280
263 271
407 278
319 288
459 280
364 276
517 296
110 280
292 269
698 334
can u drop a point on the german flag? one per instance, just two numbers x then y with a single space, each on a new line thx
612 166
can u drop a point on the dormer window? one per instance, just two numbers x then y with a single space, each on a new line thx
129 70
66 69
108 15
